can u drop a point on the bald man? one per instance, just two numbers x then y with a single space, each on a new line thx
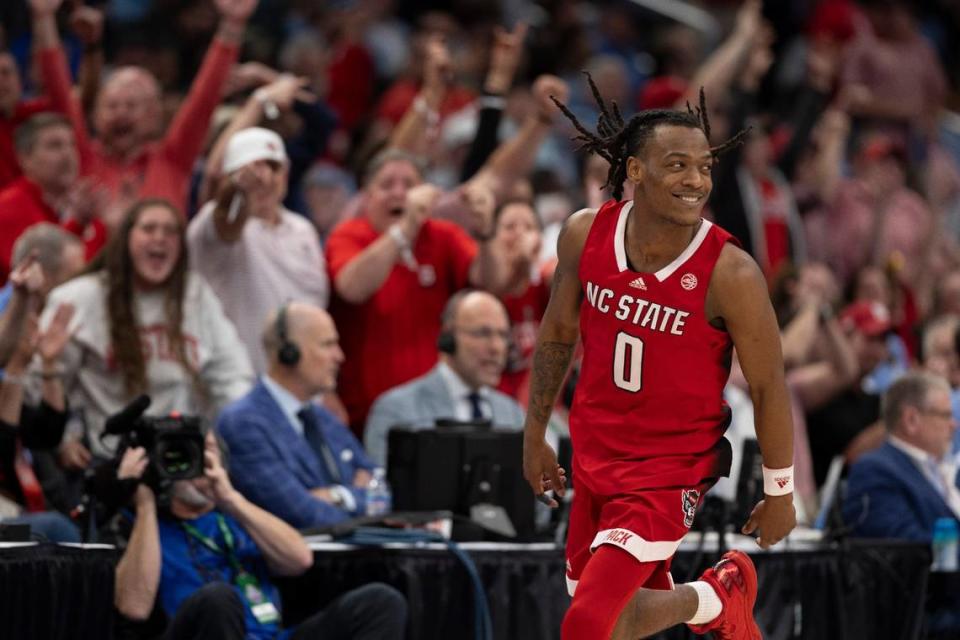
132 158
473 345
288 454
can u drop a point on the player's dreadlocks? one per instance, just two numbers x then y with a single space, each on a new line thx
615 141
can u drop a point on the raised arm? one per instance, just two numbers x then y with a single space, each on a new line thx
716 74
420 122
559 331
266 102
54 71
27 280
505 54
283 548
87 24
515 157
738 296
186 134
138 572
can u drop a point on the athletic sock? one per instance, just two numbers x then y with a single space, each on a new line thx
709 605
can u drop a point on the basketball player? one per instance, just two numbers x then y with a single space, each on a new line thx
660 297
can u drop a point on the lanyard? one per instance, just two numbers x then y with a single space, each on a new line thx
211 544
260 605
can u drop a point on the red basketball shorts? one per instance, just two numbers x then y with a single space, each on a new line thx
648 525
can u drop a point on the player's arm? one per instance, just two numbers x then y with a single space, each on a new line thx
738 295
559 330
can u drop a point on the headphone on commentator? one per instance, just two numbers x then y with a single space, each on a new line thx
447 340
288 353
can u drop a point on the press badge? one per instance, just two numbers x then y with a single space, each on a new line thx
260 606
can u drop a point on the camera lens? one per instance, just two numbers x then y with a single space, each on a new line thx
178 458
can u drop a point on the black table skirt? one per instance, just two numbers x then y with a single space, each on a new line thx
862 590
49 592
869 591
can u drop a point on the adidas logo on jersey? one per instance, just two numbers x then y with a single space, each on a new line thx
638 283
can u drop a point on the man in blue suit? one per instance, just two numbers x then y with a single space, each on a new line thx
900 489
287 454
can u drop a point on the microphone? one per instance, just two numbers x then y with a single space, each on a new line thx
122 422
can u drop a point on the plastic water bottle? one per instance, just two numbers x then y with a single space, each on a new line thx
379 496
945 543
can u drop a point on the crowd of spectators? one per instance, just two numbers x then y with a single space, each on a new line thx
189 187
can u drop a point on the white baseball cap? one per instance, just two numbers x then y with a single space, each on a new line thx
250 145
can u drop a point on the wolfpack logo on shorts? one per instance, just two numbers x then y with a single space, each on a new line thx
689 500
648 410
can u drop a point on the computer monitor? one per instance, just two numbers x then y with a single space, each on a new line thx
455 468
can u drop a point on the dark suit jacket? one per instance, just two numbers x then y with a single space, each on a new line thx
275 467
889 497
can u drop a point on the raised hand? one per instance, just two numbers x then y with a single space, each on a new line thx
28 277
545 89
87 23
51 342
437 70
133 463
505 54
749 19
250 178
285 89
416 209
86 200
481 206
236 10
247 75
222 490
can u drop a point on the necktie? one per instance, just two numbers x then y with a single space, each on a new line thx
476 413
314 436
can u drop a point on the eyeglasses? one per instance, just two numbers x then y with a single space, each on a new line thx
486 333
943 415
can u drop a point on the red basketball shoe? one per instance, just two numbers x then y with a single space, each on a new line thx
735 581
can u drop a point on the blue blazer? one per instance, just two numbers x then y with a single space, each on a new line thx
889 497
275 467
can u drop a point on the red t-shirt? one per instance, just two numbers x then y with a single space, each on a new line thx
525 311
163 168
648 411
392 337
21 207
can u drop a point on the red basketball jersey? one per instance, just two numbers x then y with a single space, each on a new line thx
648 410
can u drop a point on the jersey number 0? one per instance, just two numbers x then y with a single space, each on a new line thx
628 362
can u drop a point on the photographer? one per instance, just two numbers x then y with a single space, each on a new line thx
205 562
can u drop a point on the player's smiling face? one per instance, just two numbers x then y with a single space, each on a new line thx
673 173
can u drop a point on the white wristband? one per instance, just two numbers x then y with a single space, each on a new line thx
778 482
396 234
269 107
